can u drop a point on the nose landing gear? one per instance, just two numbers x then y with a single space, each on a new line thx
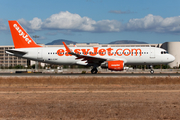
151 71
94 71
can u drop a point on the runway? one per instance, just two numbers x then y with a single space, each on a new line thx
87 91
91 75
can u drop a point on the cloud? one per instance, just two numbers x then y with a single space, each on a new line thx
67 22
32 25
121 12
2 25
73 22
147 23
155 24
108 26
36 23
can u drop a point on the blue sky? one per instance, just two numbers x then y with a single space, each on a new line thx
103 21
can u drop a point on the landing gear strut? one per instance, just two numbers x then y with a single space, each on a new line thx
94 71
151 71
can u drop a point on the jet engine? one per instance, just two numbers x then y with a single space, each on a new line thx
113 65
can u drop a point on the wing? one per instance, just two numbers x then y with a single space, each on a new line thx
91 60
86 58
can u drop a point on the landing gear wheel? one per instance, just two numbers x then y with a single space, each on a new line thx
152 71
94 71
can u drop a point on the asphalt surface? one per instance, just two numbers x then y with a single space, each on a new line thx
89 74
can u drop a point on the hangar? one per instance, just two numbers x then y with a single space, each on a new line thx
174 49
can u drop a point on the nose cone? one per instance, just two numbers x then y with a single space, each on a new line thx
171 58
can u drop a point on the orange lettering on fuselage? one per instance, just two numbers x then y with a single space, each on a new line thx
136 51
117 51
102 52
94 52
60 52
126 51
85 51
109 51
77 51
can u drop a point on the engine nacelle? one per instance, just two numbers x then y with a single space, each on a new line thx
113 65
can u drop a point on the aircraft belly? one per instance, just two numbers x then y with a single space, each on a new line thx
61 60
141 60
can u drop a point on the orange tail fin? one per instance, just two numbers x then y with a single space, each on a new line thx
20 37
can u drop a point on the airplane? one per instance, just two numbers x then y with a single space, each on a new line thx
112 58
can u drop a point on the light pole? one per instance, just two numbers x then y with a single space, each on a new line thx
35 36
36 62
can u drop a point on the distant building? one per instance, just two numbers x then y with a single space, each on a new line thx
10 61
174 49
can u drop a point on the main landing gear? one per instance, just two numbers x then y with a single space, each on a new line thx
94 71
151 71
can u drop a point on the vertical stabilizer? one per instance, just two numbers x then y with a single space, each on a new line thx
20 37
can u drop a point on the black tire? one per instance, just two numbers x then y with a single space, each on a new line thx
94 71
152 71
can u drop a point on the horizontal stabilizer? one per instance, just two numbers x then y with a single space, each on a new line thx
15 51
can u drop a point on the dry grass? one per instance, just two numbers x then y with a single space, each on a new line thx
24 102
88 80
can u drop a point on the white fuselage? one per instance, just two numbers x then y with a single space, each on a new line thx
130 55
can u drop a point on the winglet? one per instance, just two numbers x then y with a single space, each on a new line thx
67 48
20 37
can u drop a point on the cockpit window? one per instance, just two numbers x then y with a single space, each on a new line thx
164 52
